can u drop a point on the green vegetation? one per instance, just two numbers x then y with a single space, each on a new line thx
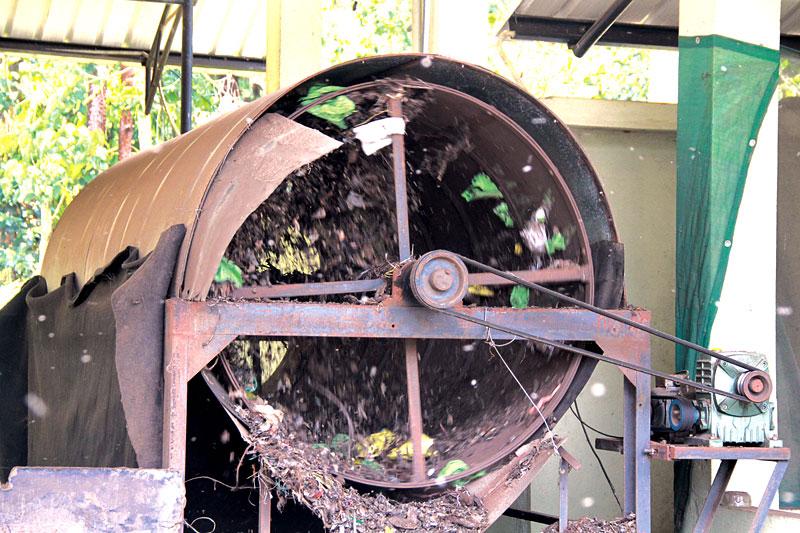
60 125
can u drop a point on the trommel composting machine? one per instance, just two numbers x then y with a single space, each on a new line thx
374 293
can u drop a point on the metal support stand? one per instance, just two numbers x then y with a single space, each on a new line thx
195 332
638 450
563 495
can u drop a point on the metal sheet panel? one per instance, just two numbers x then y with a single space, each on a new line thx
222 27
92 499
131 203
649 12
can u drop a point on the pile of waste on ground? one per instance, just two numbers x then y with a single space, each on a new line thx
625 524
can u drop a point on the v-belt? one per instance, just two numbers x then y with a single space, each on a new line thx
580 351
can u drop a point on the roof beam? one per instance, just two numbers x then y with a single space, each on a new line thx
91 52
570 30
600 26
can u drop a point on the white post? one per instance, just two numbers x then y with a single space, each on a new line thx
456 29
746 309
294 41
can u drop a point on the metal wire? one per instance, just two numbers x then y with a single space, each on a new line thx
493 347
596 456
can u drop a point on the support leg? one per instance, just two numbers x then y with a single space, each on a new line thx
563 495
642 445
769 494
715 496
176 377
628 443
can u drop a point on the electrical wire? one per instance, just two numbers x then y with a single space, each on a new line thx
596 456
493 347
582 421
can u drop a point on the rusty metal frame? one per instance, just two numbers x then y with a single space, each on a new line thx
195 332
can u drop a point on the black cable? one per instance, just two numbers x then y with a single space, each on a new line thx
578 416
599 461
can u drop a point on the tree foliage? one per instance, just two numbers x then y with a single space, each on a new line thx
48 153
359 28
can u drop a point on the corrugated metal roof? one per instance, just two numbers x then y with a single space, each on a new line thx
234 28
647 12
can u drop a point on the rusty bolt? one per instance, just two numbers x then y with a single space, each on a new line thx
650 451
441 279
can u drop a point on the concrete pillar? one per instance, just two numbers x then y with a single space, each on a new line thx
453 28
294 41
720 138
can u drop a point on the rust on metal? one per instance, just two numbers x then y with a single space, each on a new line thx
566 274
675 452
551 275
295 290
498 490
755 385
305 319
415 425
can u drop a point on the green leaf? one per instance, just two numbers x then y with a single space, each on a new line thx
502 212
482 187
453 467
334 110
556 243
520 297
229 271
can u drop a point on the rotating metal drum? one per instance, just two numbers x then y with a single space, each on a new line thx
478 184
284 189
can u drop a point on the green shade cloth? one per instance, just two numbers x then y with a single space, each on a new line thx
725 87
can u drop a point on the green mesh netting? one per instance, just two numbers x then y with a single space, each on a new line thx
725 87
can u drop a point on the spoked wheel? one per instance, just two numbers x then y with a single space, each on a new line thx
464 177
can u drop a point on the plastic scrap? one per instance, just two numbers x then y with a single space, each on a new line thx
374 445
406 450
230 272
482 187
334 110
520 296
534 234
378 133
453 467
556 243
480 290
502 212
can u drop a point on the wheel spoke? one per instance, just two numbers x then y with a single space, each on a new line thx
567 274
414 409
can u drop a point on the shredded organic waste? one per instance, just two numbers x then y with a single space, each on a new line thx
294 469
625 524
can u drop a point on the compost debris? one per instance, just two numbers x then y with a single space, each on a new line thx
625 524
294 469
